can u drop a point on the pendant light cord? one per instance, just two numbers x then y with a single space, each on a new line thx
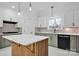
18 6
73 24
30 5
52 11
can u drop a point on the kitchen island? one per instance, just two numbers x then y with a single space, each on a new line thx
28 45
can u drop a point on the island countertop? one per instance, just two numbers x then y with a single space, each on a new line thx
25 39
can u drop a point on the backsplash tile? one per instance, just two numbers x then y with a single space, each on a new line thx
71 30
0 29
45 29
63 30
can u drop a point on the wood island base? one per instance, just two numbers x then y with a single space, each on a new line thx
39 48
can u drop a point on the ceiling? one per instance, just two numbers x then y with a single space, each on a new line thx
42 8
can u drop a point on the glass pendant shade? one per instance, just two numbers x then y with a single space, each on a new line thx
52 22
19 13
30 7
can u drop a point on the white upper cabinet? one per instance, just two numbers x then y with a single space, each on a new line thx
68 19
19 24
42 22
76 18
1 23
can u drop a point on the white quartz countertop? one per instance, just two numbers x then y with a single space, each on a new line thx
76 34
25 39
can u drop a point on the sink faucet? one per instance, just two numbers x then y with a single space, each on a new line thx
54 30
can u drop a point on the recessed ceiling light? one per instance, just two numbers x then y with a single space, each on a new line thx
13 6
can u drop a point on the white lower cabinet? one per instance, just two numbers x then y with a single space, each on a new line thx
50 40
73 43
4 42
54 40
77 44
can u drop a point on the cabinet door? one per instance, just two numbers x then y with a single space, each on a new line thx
69 16
1 23
4 43
77 43
50 41
76 18
54 40
68 19
19 24
0 42
73 43
42 22
7 42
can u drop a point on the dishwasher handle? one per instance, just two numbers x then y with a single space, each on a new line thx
66 36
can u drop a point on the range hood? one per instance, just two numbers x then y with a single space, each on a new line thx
9 27
10 22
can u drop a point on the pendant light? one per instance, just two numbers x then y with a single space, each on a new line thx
19 12
52 18
13 7
30 6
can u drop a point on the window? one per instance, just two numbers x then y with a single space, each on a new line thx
55 23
